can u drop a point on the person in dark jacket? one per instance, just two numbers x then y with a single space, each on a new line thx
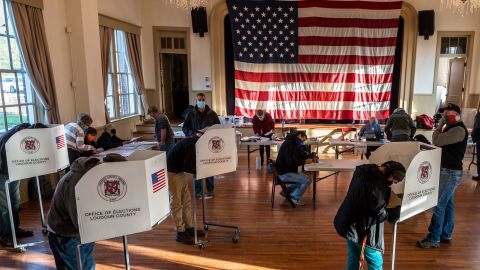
364 210
14 192
451 135
63 230
400 126
181 159
200 117
263 125
291 155
476 140
109 139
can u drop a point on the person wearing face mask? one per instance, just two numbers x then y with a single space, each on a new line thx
360 218
400 126
90 134
451 135
263 125
200 117
75 137
109 139
291 155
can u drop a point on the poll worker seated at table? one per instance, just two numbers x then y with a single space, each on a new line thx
75 137
291 155
371 131
360 218
14 191
400 126
63 230
263 125
181 159
90 134
109 139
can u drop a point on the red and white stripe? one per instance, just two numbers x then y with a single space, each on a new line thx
346 51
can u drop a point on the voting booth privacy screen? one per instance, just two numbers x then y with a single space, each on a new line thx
216 151
35 152
122 198
420 187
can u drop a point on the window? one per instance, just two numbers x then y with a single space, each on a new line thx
453 45
17 102
121 99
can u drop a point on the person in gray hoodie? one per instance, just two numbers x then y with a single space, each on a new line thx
400 126
63 231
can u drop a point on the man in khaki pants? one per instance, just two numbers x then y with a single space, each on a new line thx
180 161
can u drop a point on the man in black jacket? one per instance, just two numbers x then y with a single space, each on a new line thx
181 159
200 117
364 210
291 155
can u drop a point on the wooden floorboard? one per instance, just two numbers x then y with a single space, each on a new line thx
279 238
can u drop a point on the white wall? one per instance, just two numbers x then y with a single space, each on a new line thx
124 10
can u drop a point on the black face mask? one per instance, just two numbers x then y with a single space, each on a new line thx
113 131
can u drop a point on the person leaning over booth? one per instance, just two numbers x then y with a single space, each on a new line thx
75 137
63 230
181 159
400 126
163 129
263 125
200 117
290 156
451 135
360 218
109 139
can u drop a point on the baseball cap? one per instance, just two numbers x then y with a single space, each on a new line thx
453 107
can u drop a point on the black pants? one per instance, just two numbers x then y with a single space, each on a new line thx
267 148
74 154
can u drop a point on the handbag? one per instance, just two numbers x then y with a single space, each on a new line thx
362 262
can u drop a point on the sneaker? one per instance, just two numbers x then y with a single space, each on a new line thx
6 242
191 232
185 238
298 202
445 240
476 178
198 196
21 233
209 195
425 243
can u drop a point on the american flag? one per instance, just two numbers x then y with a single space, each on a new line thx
314 59
158 180
60 140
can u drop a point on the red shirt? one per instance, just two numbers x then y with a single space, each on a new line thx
262 127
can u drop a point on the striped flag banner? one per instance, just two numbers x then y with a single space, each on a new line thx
60 141
158 180
314 59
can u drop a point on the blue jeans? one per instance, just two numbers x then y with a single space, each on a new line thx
208 182
64 251
443 218
373 257
298 189
167 146
5 227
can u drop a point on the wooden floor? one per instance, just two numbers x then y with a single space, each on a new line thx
279 238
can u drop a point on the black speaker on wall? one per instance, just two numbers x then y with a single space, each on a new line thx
199 20
426 23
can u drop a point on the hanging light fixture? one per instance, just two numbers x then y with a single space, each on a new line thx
462 7
187 5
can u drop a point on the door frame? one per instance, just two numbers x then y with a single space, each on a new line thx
157 30
470 42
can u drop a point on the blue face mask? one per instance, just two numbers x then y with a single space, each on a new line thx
201 104
300 142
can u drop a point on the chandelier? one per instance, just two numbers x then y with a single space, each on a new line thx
462 7
188 5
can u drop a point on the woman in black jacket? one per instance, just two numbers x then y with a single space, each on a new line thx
109 139
360 218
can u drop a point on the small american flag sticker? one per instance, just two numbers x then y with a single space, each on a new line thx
158 180
60 140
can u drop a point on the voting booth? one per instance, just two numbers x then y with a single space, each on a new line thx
216 154
419 191
32 153
117 199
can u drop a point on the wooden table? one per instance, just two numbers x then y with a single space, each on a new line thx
330 165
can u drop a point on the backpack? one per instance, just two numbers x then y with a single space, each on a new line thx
425 121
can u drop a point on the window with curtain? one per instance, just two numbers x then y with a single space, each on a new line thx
17 100
121 99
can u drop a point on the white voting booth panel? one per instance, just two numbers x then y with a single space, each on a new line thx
420 187
216 151
35 152
122 198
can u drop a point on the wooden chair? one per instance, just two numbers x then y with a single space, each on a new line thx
277 182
